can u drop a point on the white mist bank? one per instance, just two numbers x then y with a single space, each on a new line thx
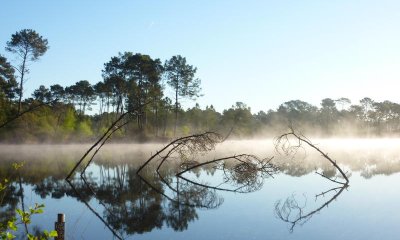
354 152
267 144
370 157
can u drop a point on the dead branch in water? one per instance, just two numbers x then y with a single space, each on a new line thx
103 139
247 173
186 146
114 126
283 144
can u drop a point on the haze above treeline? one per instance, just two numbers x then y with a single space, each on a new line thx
138 83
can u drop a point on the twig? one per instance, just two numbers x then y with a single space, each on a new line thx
330 179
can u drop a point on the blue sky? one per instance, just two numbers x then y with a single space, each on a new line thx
262 53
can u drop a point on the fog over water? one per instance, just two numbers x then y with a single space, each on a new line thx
147 206
358 154
257 146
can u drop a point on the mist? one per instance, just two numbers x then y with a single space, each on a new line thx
370 157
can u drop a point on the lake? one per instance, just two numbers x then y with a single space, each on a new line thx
194 195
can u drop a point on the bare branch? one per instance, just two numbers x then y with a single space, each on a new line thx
185 146
283 143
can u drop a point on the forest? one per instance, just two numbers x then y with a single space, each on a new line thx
137 83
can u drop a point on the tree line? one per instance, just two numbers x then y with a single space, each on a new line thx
137 83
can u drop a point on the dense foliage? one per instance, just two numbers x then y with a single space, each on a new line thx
66 119
137 83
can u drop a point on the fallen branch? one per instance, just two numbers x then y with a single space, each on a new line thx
187 145
106 135
248 173
283 142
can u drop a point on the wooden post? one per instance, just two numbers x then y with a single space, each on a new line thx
60 227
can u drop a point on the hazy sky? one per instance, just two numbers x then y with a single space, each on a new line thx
262 53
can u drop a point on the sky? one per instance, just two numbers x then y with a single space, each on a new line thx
262 53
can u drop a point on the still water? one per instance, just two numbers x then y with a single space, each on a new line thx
285 200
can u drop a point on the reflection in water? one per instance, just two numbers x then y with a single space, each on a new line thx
137 203
113 182
137 213
293 212
9 199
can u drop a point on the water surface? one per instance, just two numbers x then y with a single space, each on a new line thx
204 204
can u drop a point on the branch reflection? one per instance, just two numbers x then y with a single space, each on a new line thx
293 211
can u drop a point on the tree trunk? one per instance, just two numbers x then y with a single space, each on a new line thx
156 120
176 110
21 86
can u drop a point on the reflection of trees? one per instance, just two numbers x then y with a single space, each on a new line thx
133 200
182 200
9 200
139 203
135 205
50 186
180 211
130 205
241 173
179 215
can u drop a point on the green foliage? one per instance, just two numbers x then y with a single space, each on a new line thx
135 83
8 83
134 79
181 77
239 117
24 217
28 45
46 235
84 129
9 230
69 121
83 94
28 42
3 185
